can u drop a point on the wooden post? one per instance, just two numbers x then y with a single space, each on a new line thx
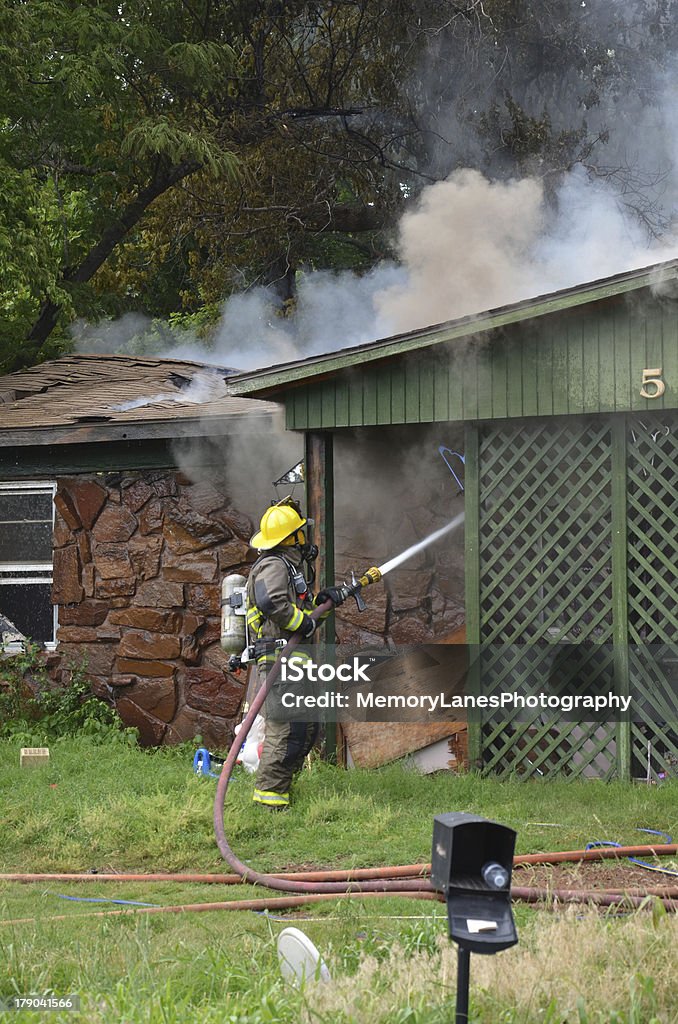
319 477
472 574
620 630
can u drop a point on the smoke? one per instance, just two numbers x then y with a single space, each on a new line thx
116 336
473 244
468 245
243 460
205 386
333 310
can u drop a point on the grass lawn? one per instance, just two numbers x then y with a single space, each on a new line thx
111 807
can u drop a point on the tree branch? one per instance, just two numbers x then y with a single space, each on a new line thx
112 236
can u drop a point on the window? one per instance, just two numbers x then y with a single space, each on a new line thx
26 527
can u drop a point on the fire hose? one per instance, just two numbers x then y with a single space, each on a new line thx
398 880
248 874
353 874
554 897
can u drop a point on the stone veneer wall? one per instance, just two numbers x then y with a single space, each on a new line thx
138 561
413 606
392 489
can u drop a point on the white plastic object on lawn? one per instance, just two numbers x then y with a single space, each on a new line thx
299 958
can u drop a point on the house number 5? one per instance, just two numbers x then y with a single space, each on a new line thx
652 378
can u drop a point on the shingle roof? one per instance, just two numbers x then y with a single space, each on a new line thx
110 390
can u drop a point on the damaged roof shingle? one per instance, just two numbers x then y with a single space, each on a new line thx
117 390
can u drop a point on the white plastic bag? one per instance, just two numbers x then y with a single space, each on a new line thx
250 752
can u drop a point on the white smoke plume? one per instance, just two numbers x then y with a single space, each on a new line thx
469 244
205 386
466 247
473 244
333 310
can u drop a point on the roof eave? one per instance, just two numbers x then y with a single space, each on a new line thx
96 433
262 383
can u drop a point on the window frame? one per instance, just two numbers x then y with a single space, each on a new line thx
46 568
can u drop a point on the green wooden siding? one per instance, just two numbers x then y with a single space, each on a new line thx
584 360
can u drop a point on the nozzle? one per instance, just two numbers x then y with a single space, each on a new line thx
372 575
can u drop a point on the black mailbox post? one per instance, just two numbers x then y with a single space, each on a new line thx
471 863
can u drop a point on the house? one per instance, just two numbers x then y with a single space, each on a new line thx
129 487
568 408
117 525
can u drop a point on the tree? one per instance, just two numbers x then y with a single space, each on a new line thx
109 106
160 154
512 88
105 107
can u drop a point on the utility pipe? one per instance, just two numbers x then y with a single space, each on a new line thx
410 871
356 874
273 904
600 899
598 853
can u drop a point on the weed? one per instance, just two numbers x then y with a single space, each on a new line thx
34 710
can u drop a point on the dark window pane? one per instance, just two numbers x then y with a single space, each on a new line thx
26 542
22 575
29 607
20 506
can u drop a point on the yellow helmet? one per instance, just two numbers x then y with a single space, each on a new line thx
277 523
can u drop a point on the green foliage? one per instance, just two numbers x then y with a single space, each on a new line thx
102 108
34 711
159 137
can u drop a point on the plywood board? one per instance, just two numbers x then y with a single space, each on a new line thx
422 670
372 744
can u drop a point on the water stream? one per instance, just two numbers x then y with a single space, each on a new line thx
420 545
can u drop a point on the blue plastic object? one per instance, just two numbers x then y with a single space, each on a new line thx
104 899
634 860
202 762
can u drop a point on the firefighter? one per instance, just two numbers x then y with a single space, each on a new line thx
280 603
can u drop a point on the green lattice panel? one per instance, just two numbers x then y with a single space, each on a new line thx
546 580
652 576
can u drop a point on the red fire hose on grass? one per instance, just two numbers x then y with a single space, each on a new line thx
377 883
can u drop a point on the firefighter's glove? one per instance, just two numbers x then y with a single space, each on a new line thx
334 594
308 626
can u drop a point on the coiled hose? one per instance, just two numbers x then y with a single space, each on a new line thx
404 879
